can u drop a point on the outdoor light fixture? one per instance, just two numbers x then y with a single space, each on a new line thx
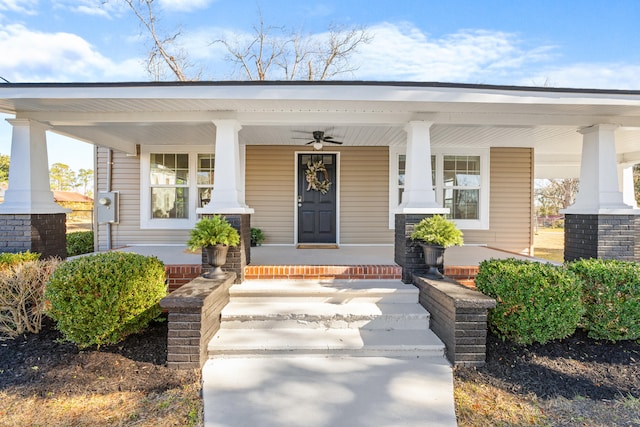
317 145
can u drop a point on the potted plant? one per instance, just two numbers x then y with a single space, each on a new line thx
257 236
215 235
435 234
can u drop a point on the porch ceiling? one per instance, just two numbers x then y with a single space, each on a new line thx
360 114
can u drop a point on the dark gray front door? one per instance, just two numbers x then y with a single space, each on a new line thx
317 198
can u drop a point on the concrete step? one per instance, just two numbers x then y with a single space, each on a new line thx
328 342
330 291
290 314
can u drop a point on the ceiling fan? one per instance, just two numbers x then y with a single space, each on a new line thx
319 137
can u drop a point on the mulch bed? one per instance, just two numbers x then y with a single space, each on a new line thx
43 364
574 366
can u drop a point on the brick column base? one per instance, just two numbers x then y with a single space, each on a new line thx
239 256
601 236
408 254
45 234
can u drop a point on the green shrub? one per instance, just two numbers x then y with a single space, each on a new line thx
22 296
535 302
8 259
79 242
437 230
100 299
612 298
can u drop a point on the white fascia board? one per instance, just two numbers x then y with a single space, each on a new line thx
337 92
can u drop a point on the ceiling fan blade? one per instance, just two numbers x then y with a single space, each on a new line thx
310 142
334 142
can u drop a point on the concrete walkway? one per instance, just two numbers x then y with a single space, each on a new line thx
326 354
328 392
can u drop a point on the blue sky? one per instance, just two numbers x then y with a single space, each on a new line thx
563 43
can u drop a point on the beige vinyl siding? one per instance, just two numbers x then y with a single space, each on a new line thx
126 180
511 202
269 190
364 196
363 185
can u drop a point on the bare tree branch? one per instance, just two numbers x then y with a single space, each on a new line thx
275 54
159 53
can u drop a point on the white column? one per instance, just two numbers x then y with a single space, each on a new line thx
227 195
418 195
29 190
599 191
625 175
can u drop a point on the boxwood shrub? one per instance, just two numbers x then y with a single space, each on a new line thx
100 299
611 296
536 302
79 242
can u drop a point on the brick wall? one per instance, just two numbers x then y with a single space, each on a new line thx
42 233
602 236
458 318
194 318
178 275
408 254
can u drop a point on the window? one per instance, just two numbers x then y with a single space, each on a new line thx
175 181
460 180
169 179
205 178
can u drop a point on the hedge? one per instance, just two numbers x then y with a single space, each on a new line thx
100 299
536 302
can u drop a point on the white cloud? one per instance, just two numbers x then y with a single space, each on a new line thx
91 7
28 7
586 75
403 52
21 6
185 5
32 56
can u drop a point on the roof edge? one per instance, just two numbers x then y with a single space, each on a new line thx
227 83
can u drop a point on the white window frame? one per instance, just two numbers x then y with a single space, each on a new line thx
439 152
146 221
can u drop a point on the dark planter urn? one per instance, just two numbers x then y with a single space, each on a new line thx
217 257
434 259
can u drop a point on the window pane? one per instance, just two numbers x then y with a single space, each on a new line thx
169 202
402 164
461 171
166 169
182 161
463 204
206 165
204 196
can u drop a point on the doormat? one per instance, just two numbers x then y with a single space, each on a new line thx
317 246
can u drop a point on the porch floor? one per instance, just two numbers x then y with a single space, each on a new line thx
457 256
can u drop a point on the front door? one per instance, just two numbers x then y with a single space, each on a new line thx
317 198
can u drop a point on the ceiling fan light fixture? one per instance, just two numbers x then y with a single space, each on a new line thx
317 145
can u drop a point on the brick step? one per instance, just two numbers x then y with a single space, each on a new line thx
319 272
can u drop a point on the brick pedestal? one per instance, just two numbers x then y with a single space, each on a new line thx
238 257
45 234
602 236
194 318
458 318
408 254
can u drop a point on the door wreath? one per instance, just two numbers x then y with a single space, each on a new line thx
311 175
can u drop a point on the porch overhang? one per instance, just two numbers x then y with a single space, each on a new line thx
122 115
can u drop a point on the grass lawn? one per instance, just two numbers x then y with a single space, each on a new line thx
548 243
